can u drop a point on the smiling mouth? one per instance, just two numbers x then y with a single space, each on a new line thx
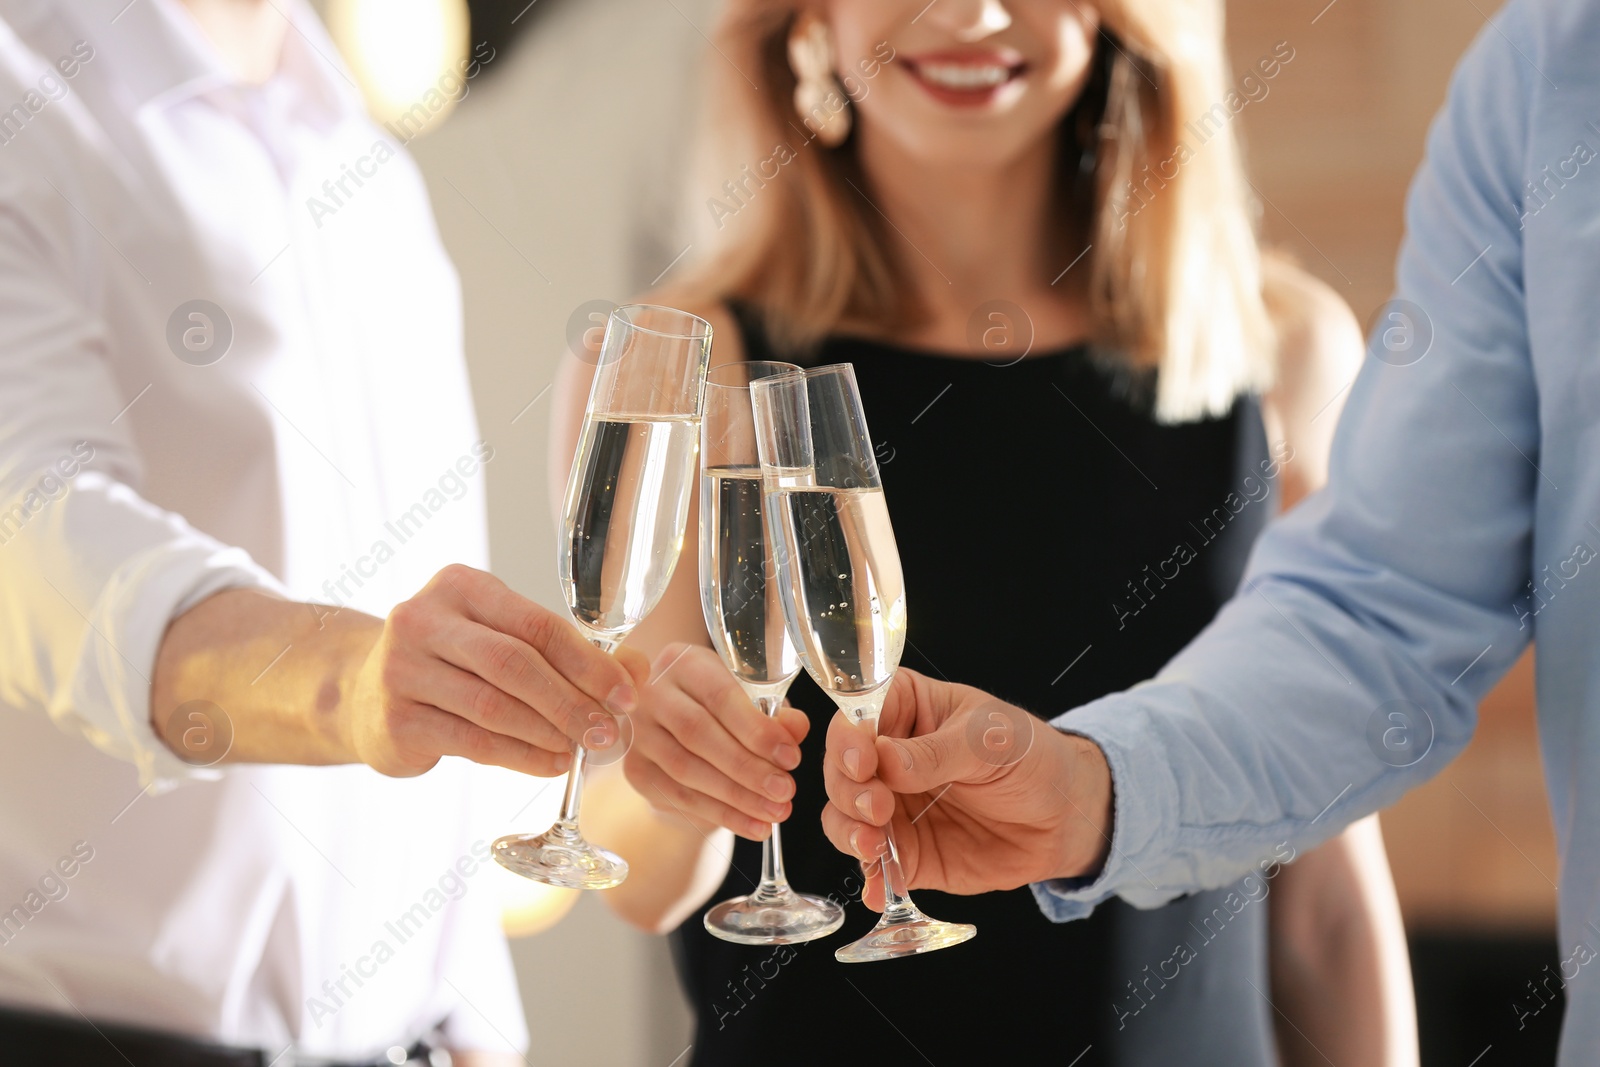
964 80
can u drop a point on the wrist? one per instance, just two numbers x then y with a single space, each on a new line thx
275 672
345 648
1088 811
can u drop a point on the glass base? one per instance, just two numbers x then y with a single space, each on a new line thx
784 918
560 859
905 937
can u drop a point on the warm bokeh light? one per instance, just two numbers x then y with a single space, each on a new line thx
408 55
528 907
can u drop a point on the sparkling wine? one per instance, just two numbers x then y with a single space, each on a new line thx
738 588
626 503
839 574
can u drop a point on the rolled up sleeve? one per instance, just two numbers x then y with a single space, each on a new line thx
91 574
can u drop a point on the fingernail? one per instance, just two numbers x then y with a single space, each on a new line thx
904 753
786 756
622 699
777 811
855 842
852 763
864 804
600 736
777 787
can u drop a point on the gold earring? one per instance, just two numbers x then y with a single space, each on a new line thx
818 97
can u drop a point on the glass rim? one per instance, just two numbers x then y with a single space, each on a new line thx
792 369
698 335
803 373
828 368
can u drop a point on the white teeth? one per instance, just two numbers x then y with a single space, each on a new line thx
964 76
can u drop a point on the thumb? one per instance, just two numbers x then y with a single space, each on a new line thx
971 746
921 764
636 663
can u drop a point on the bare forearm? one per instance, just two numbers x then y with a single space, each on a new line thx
466 667
272 673
1340 975
481 1058
674 865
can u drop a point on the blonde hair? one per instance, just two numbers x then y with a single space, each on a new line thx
1174 279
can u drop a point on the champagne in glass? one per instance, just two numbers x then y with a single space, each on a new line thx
621 531
840 583
744 613
622 526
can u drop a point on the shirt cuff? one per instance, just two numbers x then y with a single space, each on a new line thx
1144 811
108 699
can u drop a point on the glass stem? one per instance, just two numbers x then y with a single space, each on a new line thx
897 906
774 883
572 800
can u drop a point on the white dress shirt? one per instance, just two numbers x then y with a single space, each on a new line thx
315 437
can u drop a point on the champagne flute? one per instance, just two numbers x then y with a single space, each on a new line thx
840 582
739 593
622 530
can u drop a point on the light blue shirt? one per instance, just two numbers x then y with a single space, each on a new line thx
1461 518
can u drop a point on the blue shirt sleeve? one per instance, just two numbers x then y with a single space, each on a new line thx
1373 617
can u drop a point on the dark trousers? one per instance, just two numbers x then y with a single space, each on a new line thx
35 1039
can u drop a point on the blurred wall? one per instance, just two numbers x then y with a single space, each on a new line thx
1333 143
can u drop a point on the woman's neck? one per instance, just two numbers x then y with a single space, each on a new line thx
247 34
965 236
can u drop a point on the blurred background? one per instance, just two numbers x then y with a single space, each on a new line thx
556 181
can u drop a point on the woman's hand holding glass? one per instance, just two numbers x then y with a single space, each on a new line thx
703 752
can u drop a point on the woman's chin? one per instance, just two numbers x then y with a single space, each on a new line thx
965 146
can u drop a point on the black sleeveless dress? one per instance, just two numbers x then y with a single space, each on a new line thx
1058 544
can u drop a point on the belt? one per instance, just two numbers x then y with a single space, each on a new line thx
35 1038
